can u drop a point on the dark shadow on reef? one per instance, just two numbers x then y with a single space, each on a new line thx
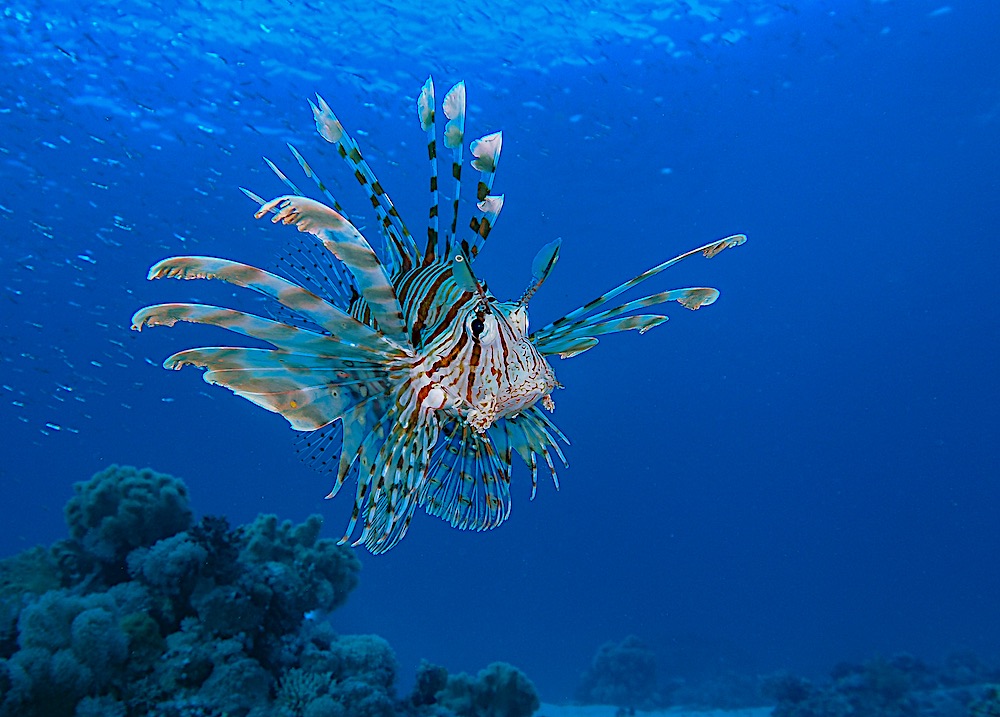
144 612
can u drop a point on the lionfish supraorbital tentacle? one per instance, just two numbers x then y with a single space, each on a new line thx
425 113
402 249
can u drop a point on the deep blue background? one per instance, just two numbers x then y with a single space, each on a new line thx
803 473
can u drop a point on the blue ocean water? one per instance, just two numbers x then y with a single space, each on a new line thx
803 473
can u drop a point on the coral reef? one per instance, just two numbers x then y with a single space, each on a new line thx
898 686
143 612
623 674
500 690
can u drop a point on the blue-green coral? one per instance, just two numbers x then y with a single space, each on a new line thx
145 612
621 673
500 690
122 508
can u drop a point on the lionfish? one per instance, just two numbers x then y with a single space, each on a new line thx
405 372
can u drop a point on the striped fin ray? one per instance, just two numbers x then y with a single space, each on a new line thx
572 339
280 379
392 460
284 179
253 196
403 458
321 449
486 153
306 407
344 241
425 113
330 318
378 432
356 425
402 249
307 262
454 139
234 358
469 481
566 335
489 209
320 184
283 336
532 434
709 250
389 524
308 391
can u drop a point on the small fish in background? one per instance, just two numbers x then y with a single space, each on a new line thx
404 371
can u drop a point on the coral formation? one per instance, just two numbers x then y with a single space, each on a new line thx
621 673
624 674
500 690
144 613
895 687
122 508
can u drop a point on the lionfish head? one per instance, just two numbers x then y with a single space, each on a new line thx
499 370
508 374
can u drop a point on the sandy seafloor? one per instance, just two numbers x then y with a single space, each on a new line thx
550 710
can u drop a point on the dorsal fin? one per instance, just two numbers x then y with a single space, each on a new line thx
284 180
486 151
454 139
425 113
402 249
320 184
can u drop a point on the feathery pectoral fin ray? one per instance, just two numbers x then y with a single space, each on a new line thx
283 336
336 321
342 239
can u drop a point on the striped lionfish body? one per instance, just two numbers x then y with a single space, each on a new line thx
405 368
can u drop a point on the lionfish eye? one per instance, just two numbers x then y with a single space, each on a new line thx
477 327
